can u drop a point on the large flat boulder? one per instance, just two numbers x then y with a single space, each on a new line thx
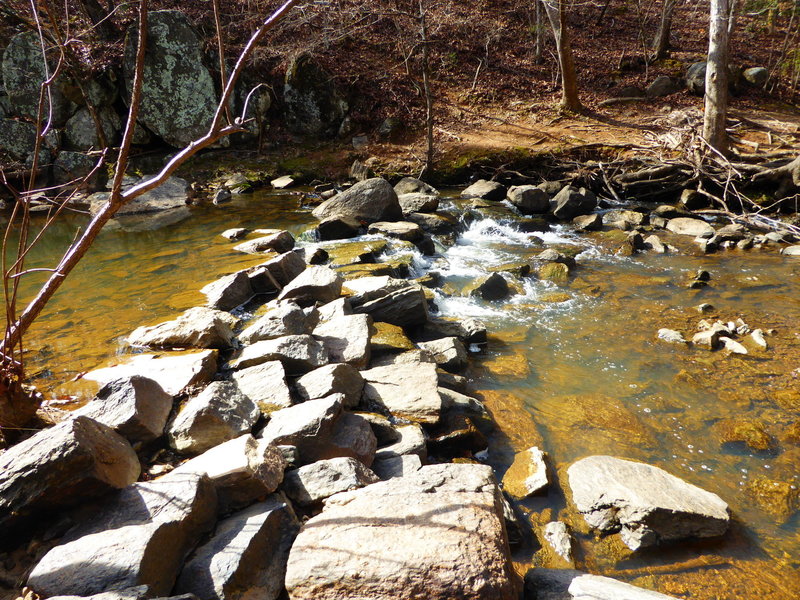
229 291
313 483
436 534
309 426
370 200
178 96
135 407
247 556
217 414
646 504
265 384
346 339
285 319
297 353
174 372
315 284
242 470
198 327
74 461
339 378
408 391
140 536
690 226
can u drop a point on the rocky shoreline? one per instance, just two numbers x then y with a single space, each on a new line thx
328 446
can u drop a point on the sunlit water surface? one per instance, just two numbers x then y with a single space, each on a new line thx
575 369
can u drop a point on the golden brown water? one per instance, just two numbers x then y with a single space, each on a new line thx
575 369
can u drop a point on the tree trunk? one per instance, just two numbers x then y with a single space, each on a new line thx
426 86
716 100
557 15
661 43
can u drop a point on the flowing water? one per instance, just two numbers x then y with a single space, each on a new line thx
575 369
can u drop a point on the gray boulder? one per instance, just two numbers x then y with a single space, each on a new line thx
247 556
402 230
756 76
217 414
178 96
285 319
566 584
81 131
242 470
140 592
298 353
397 302
23 74
449 353
340 378
315 284
135 407
17 138
557 535
314 105
411 442
275 241
664 85
346 339
338 228
174 373
411 185
74 461
308 426
406 391
396 466
140 536
571 202
689 226
437 534
417 202
645 503
353 437
485 190
593 222
529 199
265 384
696 78
228 292
369 200
279 270
71 166
198 327
313 483
491 287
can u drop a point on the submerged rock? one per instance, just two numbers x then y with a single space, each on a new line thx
527 475
646 504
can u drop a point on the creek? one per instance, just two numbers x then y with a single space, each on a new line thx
575 368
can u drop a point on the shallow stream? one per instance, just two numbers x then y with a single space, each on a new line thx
575 369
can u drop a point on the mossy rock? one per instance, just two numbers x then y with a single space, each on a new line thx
555 297
556 272
788 399
791 435
517 269
314 105
393 269
778 498
354 253
745 432
386 337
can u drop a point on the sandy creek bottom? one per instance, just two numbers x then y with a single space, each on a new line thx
575 369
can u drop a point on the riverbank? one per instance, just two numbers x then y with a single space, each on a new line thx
539 360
